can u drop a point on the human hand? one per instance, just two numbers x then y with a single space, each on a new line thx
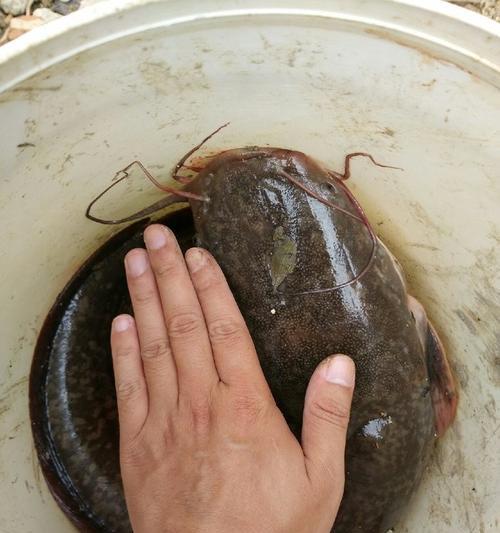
203 447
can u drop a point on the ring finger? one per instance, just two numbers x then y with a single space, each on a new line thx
156 355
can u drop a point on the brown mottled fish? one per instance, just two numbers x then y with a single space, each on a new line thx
312 279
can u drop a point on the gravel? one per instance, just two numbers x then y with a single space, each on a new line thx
46 14
65 7
489 8
14 7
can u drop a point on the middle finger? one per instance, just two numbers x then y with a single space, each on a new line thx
184 318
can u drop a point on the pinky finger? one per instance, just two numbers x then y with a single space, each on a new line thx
131 391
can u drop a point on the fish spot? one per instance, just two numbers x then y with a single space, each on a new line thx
376 428
283 258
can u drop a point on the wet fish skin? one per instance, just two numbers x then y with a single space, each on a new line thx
294 326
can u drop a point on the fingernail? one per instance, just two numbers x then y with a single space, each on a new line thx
121 323
156 237
339 370
136 263
195 259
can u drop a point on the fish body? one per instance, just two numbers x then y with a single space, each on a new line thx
311 279
294 264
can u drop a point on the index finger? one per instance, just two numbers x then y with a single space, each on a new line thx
233 349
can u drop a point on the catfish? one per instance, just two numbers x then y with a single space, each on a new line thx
312 279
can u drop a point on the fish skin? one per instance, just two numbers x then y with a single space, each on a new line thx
294 327
284 253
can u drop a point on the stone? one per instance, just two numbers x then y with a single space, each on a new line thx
65 8
24 23
14 7
46 14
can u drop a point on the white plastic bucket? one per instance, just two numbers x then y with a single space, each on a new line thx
414 83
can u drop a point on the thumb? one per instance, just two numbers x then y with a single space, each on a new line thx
326 417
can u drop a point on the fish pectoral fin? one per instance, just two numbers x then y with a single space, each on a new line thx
420 317
444 393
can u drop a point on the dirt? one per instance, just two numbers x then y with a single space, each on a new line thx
489 8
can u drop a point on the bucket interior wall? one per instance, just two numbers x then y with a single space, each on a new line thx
150 80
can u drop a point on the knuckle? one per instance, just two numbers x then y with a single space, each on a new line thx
129 390
201 413
137 452
168 435
201 416
197 411
144 297
225 330
133 455
248 408
184 323
332 411
157 349
125 352
148 448
166 269
207 278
